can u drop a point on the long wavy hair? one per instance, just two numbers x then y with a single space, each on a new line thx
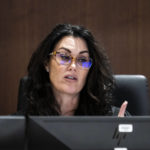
96 95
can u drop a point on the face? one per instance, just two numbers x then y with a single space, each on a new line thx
70 78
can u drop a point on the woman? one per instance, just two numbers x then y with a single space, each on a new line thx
69 75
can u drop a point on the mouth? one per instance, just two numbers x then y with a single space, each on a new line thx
71 77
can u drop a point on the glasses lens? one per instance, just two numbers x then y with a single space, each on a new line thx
65 59
62 58
84 62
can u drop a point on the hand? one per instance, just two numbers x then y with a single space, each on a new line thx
122 109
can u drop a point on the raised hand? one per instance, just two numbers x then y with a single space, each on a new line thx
122 109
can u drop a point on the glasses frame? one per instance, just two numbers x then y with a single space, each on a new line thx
73 59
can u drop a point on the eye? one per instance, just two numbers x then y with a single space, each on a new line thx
83 59
64 57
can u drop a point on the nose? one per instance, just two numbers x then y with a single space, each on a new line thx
72 65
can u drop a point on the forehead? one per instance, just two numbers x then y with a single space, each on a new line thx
74 44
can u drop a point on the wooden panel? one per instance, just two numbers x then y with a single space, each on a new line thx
122 26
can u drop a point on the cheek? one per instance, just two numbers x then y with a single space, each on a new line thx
55 72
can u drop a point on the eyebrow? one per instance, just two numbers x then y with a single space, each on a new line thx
68 50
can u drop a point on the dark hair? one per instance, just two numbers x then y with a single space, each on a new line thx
96 95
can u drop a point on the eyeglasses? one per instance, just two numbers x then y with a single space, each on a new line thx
63 58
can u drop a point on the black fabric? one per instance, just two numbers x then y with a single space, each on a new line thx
114 110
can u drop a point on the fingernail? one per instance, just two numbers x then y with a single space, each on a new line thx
125 102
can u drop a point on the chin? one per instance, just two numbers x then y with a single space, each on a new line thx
71 91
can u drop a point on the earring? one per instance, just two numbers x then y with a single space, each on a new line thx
47 69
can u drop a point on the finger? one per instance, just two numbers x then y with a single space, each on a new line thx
123 109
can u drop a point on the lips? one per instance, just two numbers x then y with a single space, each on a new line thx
71 77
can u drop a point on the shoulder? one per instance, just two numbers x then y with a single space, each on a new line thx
115 111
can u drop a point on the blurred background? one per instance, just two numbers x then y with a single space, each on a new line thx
122 27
